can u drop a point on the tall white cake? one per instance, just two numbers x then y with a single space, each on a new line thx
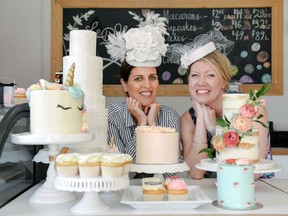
89 75
248 146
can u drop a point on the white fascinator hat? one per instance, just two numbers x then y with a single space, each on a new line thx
143 46
202 45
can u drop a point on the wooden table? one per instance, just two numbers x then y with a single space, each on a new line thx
272 194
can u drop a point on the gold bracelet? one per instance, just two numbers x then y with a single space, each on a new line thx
199 143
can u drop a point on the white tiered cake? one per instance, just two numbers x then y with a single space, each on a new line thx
89 75
248 146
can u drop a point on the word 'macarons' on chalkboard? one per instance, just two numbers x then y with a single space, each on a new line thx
250 29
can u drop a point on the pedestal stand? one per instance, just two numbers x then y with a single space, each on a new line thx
158 170
91 202
47 194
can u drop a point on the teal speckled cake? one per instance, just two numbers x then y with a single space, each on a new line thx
235 186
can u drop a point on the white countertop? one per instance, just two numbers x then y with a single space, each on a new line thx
274 202
281 184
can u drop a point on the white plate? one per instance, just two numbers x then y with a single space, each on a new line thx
213 167
133 196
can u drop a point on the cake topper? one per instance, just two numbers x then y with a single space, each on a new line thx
202 45
143 46
70 76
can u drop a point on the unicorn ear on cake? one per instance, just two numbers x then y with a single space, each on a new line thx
143 46
70 76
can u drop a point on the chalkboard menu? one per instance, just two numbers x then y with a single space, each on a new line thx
249 27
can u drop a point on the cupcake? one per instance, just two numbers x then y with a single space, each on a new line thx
127 162
153 189
67 164
177 190
89 165
112 165
169 179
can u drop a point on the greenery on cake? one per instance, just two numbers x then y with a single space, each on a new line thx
241 123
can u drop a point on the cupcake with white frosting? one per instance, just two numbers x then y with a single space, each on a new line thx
127 162
112 165
89 165
67 164
153 189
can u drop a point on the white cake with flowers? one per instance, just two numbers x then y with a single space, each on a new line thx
156 145
56 108
235 137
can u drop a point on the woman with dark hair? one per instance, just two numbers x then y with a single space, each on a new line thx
139 78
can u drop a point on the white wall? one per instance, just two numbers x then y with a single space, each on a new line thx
25 53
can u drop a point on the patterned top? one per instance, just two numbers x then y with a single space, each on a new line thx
121 128
209 174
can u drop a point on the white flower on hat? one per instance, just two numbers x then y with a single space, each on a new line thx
144 44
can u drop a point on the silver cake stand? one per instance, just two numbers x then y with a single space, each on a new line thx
47 193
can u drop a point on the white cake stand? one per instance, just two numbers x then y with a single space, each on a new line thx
211 165
47 194
90 202
159 169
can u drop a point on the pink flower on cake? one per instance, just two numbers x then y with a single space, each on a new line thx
242 123
243 161
222 202
248 110
235 184
231 139
230 160
218 143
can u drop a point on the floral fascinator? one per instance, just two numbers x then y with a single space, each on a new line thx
202 45
143 46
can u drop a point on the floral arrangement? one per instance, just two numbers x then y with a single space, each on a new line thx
241 123
142 46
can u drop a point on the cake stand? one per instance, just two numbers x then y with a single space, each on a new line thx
208 164
91 202
47 194
159 169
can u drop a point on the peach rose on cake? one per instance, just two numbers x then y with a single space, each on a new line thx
248 110
241 123
218 143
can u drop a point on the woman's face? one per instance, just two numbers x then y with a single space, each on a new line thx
142 85
206 84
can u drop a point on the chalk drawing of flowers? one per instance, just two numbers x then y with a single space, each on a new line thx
77 22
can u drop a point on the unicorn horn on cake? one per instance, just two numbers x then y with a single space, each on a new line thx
70 77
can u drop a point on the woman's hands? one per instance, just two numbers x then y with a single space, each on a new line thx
143 115
208 114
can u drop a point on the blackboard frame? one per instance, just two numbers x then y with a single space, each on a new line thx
172 90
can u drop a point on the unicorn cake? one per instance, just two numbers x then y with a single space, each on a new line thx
56 108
